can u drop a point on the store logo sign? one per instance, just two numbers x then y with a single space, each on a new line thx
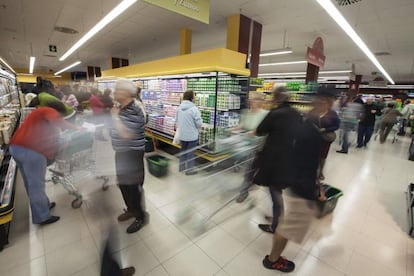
196 9
315 54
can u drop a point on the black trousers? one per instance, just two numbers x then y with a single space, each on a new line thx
130 174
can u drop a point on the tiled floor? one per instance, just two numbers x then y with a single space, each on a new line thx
366 235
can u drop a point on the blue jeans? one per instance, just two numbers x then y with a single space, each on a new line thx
277 206
364 134
187 158
32 166
345 136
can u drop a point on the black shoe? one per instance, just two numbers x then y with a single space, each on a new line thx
128 271
281 264
50 220
190 172
341 151
242 197
125 216
135 226
267 228
52 205
358 147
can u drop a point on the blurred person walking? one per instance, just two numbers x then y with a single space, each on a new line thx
128 141
349 120
366 123
249 120
188 122
69 98
276 161
98 109
327 122
388 120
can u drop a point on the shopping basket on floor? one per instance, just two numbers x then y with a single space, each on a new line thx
332 195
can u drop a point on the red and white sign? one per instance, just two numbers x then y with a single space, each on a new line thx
315 54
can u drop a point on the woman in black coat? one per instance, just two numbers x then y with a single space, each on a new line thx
277 160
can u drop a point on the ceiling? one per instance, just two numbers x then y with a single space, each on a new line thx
145 32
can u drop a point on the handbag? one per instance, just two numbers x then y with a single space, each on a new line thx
328 136
176 140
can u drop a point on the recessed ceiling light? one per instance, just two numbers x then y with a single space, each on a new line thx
31 64
284 51
65 30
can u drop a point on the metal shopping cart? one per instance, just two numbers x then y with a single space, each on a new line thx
239 151
75 160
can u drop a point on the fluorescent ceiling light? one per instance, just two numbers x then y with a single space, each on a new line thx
7 65
283 63
343 23
125 4
276 52
67 68
31 65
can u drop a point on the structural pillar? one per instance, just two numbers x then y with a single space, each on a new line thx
238 39
185 41
354 86
312 73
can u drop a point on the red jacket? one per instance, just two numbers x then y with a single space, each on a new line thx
96 104
40 131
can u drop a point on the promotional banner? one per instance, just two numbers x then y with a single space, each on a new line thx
196 9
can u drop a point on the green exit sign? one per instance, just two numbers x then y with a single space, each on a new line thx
52 48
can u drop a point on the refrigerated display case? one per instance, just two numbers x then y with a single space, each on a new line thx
9 121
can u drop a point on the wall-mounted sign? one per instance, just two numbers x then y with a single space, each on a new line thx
52 48
315 54
195 9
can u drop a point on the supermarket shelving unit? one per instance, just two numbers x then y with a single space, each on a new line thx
218 77
9 120
410 209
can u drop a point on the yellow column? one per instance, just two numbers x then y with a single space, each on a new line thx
233 31
185 41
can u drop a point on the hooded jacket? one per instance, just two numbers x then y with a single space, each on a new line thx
188 120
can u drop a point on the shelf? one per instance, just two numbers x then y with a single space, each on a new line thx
255 85
302 92
218 109
303 102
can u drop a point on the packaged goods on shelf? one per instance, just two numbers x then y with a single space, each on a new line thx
205 100
170 110
301 97
229 119
174 85
303 108
150 95
168 126
228 101
171 98
155 122
206 134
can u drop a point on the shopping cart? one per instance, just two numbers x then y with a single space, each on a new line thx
237 150
76 159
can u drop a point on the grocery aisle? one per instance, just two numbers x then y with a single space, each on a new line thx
365 236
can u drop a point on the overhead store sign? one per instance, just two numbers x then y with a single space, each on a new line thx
196 9
315 54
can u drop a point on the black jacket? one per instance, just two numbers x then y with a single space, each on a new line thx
277 159
368 118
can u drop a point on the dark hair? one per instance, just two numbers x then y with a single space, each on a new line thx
58 106
66 90
34 102
96 91
188 95
390 105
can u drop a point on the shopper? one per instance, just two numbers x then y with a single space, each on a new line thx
249 120
128 141
44 98
358 99
407 112
366 123
107 100
388 120
69 98
98 109
327 121
188 122
349 120
276 161
299 198
140 103
33 146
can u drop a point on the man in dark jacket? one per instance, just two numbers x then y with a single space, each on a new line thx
366 123
289 161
